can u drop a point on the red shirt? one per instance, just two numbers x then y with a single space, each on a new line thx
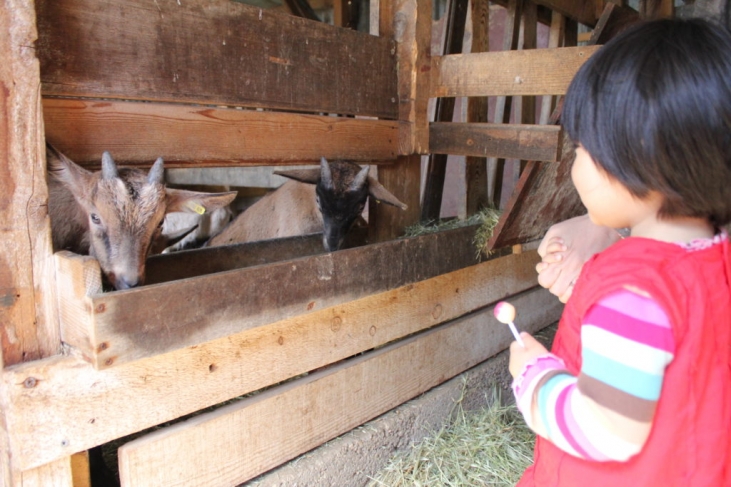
690 442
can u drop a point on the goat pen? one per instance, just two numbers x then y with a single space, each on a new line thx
328 341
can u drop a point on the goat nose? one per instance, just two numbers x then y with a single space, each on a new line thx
127 283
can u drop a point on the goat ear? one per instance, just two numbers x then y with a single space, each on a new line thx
382 195
196 202
157 173
70 174
326 175
360 180
109 168
309 176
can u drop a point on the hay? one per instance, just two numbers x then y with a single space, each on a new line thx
492 446
487 218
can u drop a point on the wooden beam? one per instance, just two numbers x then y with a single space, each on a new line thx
91 407
214 53
29 326
530 41
511 73
436 166
578 10
555 37
529 142
117 327
58 473
503 104
238 442
409 23
188 135
476 195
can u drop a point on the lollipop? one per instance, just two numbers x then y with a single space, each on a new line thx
505 313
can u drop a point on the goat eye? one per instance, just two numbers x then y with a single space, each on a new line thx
95 219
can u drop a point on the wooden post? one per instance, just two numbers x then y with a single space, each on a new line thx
530 41
409 23
476 167
444 112
503 103
27 298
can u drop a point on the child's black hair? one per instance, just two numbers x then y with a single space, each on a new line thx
653 109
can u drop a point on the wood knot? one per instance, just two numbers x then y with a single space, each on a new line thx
437 311
336 323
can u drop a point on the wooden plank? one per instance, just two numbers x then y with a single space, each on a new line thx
240 441
476 195
187 135
577 10
555 36
507 73
544 195
410 23
29 326
91 407
613 20
436 164
386 222
213 52
54 474
533 142
530 41
503 104
208 260
129 325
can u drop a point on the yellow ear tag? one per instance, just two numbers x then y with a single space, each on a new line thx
196 207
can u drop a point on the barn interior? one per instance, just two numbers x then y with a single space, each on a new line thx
232 361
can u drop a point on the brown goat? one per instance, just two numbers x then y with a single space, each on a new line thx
115 215
333 197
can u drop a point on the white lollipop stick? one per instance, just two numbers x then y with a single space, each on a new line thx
516 334
505 313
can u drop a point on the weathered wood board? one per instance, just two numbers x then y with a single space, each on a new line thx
242 440
578 10
528 142
191 135
91 407
507 73
543 196
116 327
214 52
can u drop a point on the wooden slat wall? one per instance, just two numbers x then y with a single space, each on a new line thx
91 407
191 135
240 441
212 52
503 74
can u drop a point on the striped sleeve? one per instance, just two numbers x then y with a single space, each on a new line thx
606 412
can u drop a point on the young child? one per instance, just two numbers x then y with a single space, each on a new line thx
637 391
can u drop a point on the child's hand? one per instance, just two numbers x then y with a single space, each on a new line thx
564 250
519 356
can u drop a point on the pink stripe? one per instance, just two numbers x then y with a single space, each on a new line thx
561 413
636 306
631 328
532 371
575 430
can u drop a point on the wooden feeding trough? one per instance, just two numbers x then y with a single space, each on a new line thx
211 83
